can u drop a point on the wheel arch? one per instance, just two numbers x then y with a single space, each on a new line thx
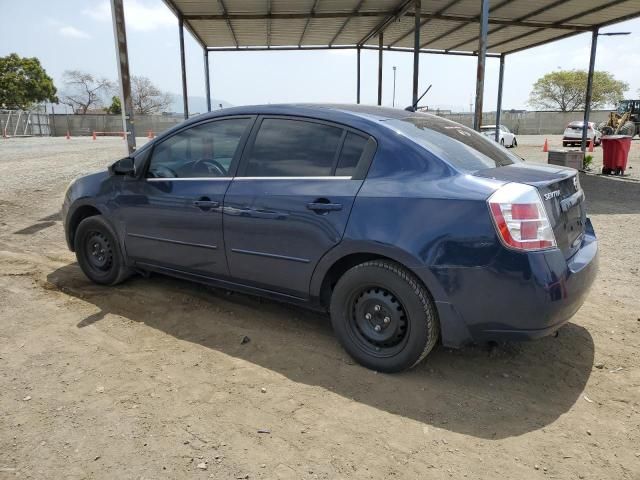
345 256
78 214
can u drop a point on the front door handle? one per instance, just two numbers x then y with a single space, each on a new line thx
320 207
205 203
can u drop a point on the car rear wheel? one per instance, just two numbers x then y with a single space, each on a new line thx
514 143
98 252
502 142
383 316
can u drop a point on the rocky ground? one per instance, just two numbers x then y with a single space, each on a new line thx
155 378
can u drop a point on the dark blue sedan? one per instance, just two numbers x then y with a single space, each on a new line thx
407 228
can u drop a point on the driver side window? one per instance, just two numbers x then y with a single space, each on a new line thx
205 150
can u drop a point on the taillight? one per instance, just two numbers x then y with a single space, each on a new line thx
520 218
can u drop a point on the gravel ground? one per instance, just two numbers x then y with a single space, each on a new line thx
150 379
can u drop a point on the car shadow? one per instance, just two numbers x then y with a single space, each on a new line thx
488 393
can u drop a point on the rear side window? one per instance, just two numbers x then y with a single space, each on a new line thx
293 148
350 155
461 146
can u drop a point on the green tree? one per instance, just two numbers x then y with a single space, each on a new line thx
115 107
565 90
24 82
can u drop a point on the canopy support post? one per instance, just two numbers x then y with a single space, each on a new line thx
122 54
482 55
183 69
207 84
380 44
587 100
499 106
416 53
358 76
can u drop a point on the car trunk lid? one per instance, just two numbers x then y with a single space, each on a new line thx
561 194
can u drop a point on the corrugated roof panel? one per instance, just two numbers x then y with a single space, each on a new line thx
357 29
534 37
213 32
456 33
287 32
289 6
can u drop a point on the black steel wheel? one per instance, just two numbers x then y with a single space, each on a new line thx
383 316
98 252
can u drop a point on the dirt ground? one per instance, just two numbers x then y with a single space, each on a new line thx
151 379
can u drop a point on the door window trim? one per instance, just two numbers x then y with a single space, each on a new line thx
235 161
361 168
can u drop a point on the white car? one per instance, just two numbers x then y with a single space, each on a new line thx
507 139
573 134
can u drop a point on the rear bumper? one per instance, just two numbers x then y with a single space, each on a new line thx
518 297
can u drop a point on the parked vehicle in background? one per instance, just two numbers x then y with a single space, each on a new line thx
408 228
572 135
506 139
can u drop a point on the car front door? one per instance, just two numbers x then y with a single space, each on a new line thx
172 214
290 202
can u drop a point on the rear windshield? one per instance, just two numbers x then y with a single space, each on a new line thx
462 147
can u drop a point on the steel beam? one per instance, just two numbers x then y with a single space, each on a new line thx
400 10
482 54
416 53
587 101
424 22
358 76
122 54
306 24
344 24
227 18
499 106
537 11
347 47
465 22
183 69
380 45
207 84
560 22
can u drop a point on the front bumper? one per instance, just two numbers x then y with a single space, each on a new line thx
519 296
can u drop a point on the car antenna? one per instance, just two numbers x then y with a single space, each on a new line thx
414 107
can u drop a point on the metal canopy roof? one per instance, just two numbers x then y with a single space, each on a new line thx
447 26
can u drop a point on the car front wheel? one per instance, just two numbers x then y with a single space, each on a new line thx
383 316
98 252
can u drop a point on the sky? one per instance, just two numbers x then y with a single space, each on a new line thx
78 35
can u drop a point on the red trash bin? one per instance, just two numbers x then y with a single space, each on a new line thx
615 152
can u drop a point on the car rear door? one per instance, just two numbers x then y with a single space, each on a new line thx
172 214
291 199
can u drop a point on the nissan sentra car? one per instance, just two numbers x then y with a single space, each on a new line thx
409 229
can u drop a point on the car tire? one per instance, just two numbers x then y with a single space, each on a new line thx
514 143
502 142
383 316
98 252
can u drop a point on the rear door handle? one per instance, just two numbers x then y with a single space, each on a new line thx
324 207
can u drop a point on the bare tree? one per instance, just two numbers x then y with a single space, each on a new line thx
147 98
83 90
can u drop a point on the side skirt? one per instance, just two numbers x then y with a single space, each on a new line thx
309 303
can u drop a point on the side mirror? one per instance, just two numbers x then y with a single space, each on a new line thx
124 166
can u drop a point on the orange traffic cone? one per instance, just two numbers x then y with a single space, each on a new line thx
545 148
150 134
94 135
68 136
591 145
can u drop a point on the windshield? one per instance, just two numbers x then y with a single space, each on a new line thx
464 148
